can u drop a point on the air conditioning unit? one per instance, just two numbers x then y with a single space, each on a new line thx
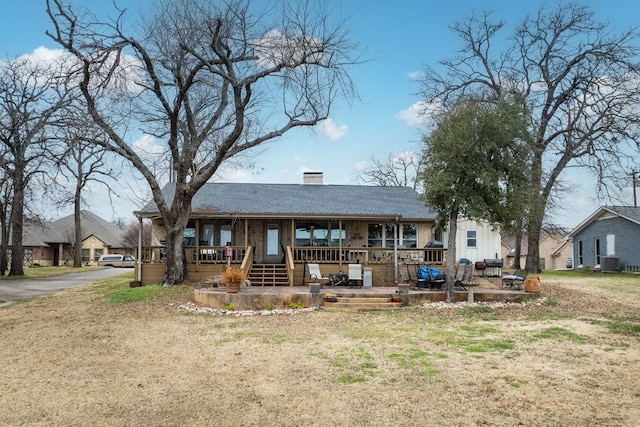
609 264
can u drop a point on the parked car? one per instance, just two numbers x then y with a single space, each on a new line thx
116 260
569 262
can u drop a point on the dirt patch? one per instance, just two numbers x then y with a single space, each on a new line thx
74 359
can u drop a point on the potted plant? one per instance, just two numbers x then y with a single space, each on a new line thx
396 297
232 278
330 297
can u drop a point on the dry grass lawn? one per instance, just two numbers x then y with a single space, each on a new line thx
97 356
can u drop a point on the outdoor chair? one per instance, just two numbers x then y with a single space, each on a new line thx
461 271
514 280
315 275
469 278
414 276
435 281
354 273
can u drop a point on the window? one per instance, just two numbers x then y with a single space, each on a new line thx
319 234
580 254
225 234
374 235
206 235
596 250
409 235
96 255
85 255
190 234
379 233
472 239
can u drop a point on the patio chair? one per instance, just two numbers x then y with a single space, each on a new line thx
514 280
354 273
461 271
412 273
315 275
435 281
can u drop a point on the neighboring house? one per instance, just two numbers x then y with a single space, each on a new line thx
476 240
555 249
609 239
275 229
51 243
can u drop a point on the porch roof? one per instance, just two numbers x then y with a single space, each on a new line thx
301 200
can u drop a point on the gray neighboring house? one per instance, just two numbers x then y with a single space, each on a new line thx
51 243
608 240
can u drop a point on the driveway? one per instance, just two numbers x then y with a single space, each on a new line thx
17 290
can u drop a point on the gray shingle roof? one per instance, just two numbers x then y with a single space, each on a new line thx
302 200
631 213
91 224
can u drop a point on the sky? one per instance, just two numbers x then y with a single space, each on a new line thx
400 38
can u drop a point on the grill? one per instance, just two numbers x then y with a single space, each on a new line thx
493 267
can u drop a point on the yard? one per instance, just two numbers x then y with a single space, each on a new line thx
106 354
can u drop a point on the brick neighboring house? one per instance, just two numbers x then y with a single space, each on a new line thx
555 249
51 243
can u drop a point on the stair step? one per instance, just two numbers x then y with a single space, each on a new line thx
268 275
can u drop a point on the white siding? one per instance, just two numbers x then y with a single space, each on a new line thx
487 240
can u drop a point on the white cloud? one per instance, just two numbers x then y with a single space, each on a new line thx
419 114
360 165
146 146
331 130
415 75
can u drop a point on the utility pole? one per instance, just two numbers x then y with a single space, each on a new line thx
633 179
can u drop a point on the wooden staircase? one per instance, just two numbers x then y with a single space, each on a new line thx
268 275
360 303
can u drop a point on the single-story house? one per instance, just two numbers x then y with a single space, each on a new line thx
51 243
276 229
609 239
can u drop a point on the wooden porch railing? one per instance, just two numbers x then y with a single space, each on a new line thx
366 255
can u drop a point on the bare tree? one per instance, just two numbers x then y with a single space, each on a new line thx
6 191
209 80
131 234
81 162
30 95
580 80
402 170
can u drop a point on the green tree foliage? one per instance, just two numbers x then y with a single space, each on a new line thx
473 166
579 77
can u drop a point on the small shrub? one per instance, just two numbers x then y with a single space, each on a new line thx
296 305
228 306
269 307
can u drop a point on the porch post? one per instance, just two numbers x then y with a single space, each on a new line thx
395 250
197 244
246 233
340 245
139 272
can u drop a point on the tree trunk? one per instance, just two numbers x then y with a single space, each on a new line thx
77 253
451 257
4 240
17 219
517 251
175 271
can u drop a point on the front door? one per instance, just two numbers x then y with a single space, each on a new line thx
272 250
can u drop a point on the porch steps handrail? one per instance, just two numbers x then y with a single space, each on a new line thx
290 264
247 261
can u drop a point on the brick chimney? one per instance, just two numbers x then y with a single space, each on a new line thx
313 177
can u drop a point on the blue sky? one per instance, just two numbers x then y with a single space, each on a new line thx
401 37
